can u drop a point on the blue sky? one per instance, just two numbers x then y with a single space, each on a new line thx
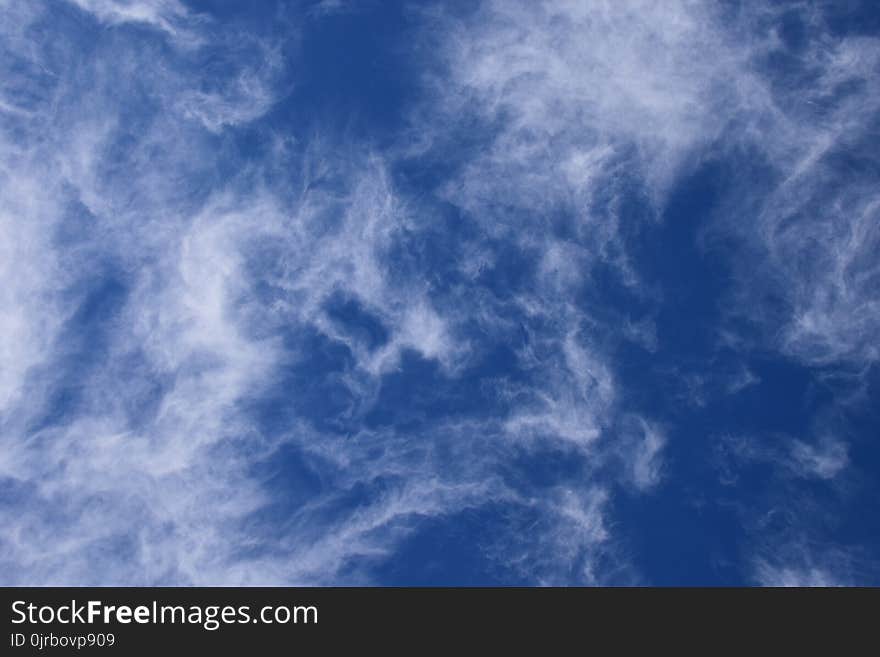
446 293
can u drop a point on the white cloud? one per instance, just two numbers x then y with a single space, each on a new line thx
166 15
647 464
824 460
823 457
810 237
584 95
152 495
109 164
578 86
797 561
787 576
149 470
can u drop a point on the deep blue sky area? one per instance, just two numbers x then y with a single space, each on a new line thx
428 293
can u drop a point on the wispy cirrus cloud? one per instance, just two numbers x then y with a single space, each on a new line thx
588 105
165 304
170 16
121 367
238 350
